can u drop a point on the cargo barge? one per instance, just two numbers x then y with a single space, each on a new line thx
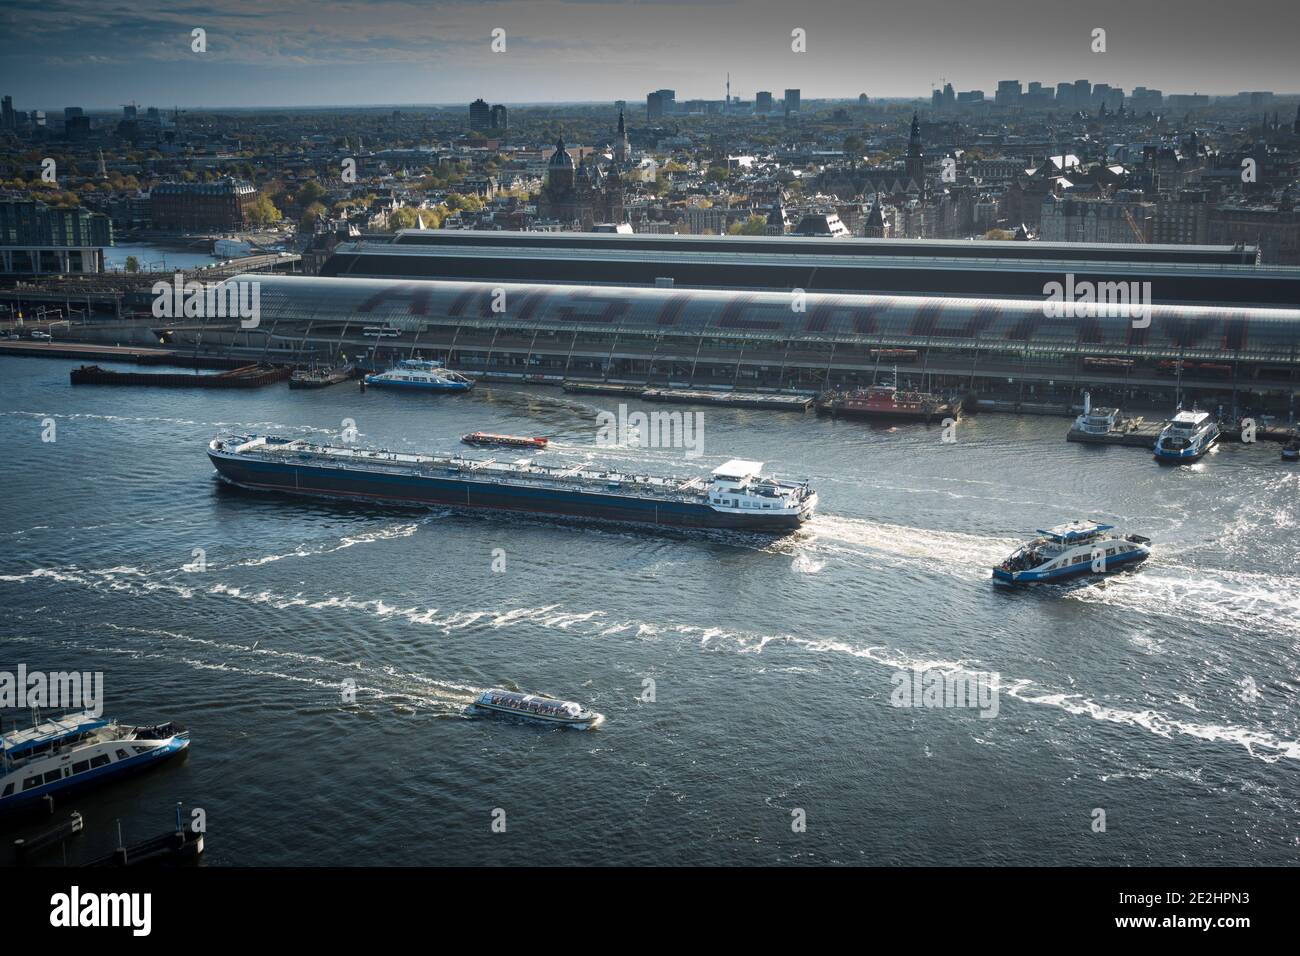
734 495
247 376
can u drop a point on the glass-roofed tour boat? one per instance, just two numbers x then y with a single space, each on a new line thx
1080 547
548 710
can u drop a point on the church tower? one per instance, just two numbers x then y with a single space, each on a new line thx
915 162
621 151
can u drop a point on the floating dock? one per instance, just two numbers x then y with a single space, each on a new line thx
178 846
687 396
793 403
247 376
1135 432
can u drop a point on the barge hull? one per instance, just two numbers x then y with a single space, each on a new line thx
311 481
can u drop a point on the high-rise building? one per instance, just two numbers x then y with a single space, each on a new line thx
1008 93
7 113
763 102
1082 94
480 115
660 103
791 102
500 118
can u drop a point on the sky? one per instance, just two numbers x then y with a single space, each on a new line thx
104 53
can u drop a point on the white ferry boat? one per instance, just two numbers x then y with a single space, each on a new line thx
1187 437
1096 420
1080 547
536 707
421 375
76 751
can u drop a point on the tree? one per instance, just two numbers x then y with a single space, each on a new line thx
262 212
753 226
312 213
132 264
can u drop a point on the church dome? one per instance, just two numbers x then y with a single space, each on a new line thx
561 158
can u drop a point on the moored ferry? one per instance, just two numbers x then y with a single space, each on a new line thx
421 375
734 495
1187 437
1080 547
536 707
76 751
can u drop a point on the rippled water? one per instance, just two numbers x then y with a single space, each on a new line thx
1165 696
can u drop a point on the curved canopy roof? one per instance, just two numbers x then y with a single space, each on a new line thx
411 305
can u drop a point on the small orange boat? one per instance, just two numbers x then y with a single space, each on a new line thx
507 441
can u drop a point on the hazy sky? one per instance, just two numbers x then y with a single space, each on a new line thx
102 53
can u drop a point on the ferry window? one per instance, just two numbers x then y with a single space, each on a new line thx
9 788
99 761
31 783
142 750
53 775
121 753
81 766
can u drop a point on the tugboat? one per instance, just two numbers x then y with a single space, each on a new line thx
421 375
76 751
536 707
505 441
1080 547
1291 450
1186 438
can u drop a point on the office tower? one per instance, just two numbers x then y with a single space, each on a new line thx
480 115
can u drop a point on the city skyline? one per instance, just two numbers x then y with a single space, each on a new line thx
388 52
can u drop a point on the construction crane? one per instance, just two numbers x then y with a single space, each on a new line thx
1133 225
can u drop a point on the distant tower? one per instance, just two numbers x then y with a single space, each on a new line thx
875 225
728 92
621 150
915 162
101 171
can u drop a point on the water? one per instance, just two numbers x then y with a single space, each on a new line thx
155 258
1165 696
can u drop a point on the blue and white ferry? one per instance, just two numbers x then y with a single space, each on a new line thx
76 751
1080 547
1187 437
421 375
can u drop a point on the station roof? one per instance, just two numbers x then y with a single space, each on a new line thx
411 305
